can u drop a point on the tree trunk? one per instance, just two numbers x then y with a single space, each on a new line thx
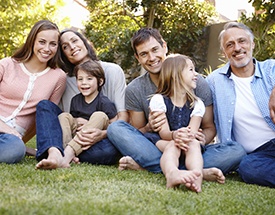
151 17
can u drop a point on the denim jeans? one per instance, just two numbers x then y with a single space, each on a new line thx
12 148
130 141
258 167
49 134
225 156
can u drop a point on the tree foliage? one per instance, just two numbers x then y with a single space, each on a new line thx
18 16
262 23
112 24
110 28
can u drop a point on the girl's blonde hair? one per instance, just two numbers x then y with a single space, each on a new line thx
171 80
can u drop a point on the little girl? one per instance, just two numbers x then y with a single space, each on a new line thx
184 112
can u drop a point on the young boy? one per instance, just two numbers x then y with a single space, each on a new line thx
90 108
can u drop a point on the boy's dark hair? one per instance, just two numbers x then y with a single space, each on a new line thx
144 34
92 68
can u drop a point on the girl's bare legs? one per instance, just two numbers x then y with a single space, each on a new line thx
161 144
169 163
194 162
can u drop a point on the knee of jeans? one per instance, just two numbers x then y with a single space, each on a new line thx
238 149
245 170
115 126
21 154
43 104
17 153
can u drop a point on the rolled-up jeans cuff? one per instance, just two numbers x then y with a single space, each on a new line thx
76 147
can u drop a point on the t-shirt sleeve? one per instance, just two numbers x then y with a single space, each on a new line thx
108 107
199 108
120 90
157 103
115 85
132 99
203 91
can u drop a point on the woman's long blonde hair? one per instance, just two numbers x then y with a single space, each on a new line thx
171 80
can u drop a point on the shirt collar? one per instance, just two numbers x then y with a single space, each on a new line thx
227 71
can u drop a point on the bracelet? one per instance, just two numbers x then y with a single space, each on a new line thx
172 135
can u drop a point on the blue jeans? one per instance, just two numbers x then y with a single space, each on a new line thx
130 141
49 134
12 148
225 156
258 167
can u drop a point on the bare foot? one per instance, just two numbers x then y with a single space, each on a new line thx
47 164
69 156
196 186
127 162
30 152
53 161
76 160
193 187
213 174
186 177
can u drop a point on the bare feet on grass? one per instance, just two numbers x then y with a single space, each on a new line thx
189 178
75 160
54 161
196 185
69 156
213 174
127 162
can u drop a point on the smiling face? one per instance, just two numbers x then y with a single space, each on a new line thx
45 45
238 47
151 54
87 85
190 75
73 47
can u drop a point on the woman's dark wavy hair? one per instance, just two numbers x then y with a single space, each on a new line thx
25 52
63 61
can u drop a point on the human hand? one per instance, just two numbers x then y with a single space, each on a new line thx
80 123
200 137
14 132
88 137
182 145
271 105
4 128
183 134
156 120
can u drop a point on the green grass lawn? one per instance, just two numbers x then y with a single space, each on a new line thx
90 189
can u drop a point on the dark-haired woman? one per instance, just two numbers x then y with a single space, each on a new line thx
75 49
